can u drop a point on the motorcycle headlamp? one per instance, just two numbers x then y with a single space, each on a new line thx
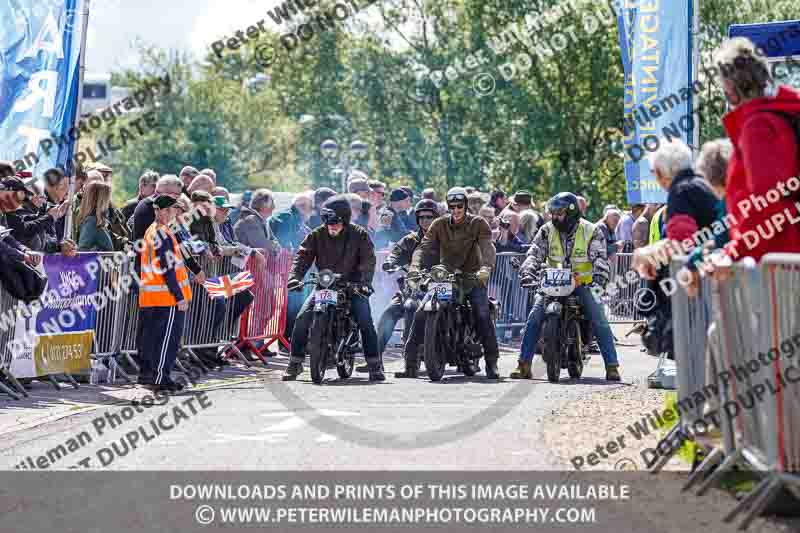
439 274
325 278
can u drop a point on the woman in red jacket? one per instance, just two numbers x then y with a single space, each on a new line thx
763 181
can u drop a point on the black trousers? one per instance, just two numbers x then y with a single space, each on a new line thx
159 347
479 300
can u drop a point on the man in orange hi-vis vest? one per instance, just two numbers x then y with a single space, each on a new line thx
164 297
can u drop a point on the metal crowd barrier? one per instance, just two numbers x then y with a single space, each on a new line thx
8 382
751 349
515 301
197 332
113 268
691 318
265 320
620 302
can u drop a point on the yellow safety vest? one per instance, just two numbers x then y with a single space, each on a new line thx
655 225
579 259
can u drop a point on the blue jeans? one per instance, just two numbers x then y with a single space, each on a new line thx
362 314
388 321
591 308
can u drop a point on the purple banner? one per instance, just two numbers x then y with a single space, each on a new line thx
66 303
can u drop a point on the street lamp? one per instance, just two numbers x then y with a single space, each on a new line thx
348 159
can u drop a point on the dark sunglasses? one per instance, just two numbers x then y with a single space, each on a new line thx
456 206
426 217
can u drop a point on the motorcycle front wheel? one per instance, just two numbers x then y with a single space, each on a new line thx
435 356
574 351
319 346
345 369
551 352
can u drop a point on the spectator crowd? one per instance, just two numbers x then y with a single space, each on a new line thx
761 152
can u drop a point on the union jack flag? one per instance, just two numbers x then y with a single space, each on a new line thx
227 286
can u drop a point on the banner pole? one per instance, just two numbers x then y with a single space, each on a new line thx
69 223
696 61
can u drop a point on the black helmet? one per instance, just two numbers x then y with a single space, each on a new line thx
567 203
426 205
336 210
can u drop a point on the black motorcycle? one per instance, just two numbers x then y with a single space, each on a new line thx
334 333
451 335
411 293
562 346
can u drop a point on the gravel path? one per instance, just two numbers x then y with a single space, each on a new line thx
606 415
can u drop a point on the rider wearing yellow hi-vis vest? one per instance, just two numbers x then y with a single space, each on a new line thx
580 251
567 235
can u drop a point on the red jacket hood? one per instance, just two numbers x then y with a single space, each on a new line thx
787 100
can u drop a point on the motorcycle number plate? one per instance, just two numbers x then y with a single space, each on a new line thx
443 291
557 277
325 296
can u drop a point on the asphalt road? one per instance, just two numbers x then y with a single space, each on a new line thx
256 423
460 423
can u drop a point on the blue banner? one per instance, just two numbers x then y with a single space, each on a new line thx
659 91
40 43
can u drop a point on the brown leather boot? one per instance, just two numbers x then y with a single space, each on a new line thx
523 371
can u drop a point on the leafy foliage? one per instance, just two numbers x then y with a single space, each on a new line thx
364 79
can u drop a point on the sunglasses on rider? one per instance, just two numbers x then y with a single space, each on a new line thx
558 212
454 206
426 217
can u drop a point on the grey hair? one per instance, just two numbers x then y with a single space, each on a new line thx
671 157
527 220
261 199
169 181
745 66
712 163
148 178
308 195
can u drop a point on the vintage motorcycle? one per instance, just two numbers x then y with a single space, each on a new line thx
451 335
412 294
562 346
333 341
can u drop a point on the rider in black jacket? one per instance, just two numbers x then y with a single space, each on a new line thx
344 248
